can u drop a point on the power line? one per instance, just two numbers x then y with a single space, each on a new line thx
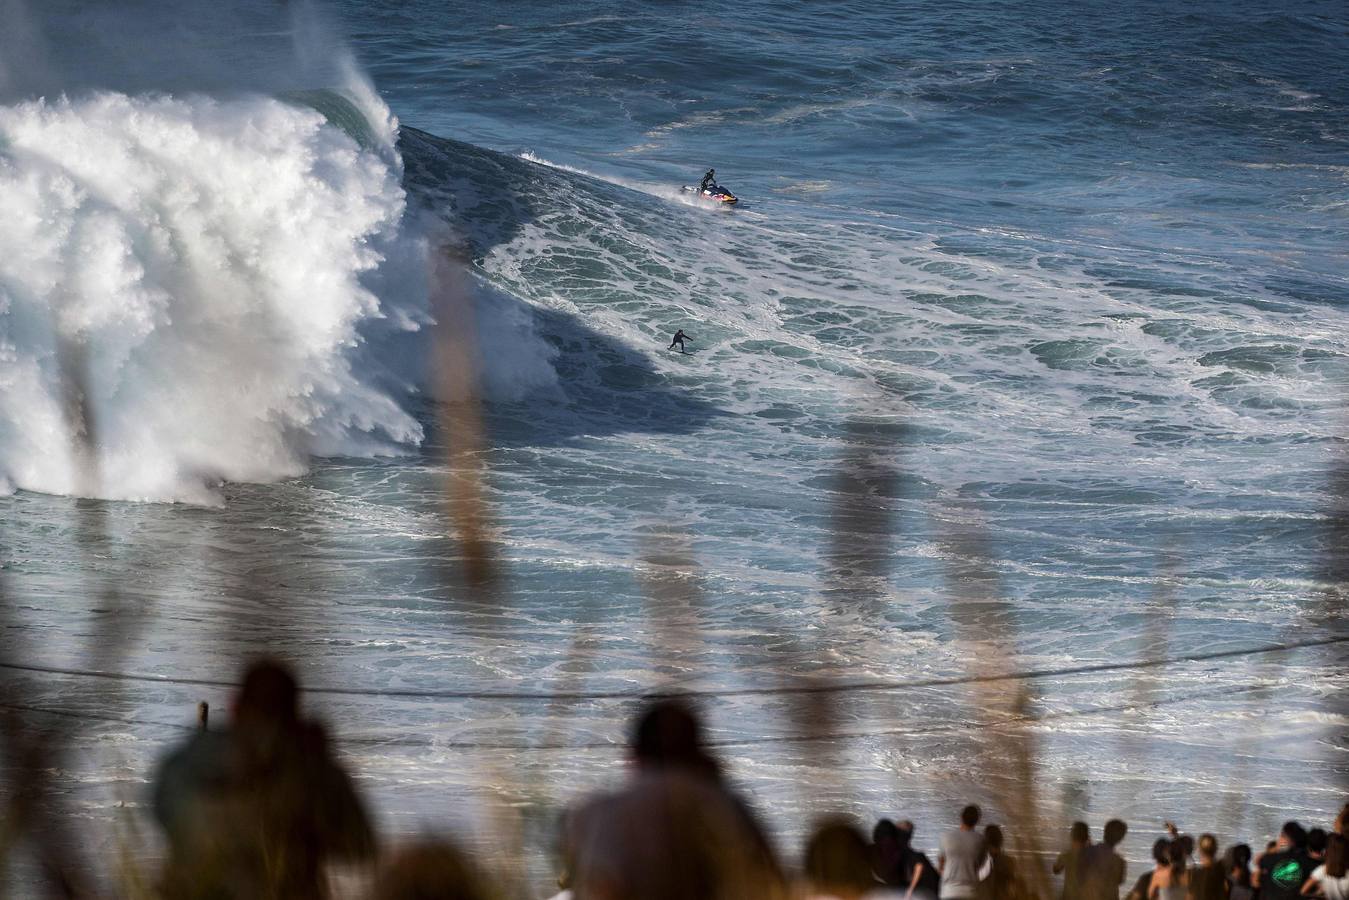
967 725
732 743
183 726
781 690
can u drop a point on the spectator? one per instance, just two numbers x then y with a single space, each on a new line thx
1161 860
962 855
1316 846
1281 873
666 836
669 735
1070 862
1208 881
434 870
675 831
1104 868
837 863
1184 841
1001 883
669 738
1238 867
1172 881
887 854
256 811
1331 879
920 876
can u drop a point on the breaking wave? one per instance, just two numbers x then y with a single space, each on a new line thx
203 260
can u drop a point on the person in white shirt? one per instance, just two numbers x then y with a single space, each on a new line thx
1331 879
962 856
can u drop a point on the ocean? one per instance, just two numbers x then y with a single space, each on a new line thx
1025 351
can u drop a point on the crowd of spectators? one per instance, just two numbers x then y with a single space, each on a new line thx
261 810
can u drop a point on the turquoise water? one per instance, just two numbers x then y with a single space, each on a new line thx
1025 349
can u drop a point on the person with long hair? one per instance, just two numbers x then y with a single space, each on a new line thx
1208 881
837 864
1172 881
1331 878
1001 882
1161 859
1238 865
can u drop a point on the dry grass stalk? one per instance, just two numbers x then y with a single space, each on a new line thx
35 810
862 521
858 559
1010 755
1146 684
673 600
1330 615
457 364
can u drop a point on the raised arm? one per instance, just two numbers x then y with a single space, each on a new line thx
913 882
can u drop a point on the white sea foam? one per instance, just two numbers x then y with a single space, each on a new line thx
235 284
670 192
205 259
531 156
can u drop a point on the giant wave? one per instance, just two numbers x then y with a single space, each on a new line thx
207 256
209 267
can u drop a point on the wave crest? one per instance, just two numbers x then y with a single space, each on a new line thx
206 258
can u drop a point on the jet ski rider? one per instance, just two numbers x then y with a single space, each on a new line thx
709 180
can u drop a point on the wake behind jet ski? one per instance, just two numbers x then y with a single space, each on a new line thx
710 190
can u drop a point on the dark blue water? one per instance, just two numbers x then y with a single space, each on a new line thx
1006 113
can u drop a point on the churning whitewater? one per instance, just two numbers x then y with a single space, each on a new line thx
205 260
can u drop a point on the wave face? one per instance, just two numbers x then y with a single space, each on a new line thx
202 262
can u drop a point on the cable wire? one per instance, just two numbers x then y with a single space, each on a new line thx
844 687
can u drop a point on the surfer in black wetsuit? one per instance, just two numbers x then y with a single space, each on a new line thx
709 180
678 339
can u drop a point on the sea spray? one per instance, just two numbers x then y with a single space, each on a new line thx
208 257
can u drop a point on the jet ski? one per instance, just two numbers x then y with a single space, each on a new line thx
713 192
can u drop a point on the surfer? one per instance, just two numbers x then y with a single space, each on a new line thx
709 180
678 339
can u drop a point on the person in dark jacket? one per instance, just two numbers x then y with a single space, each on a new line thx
1208 880
1001 882
1280 874
1104 868
1071 863
257 810
918 873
